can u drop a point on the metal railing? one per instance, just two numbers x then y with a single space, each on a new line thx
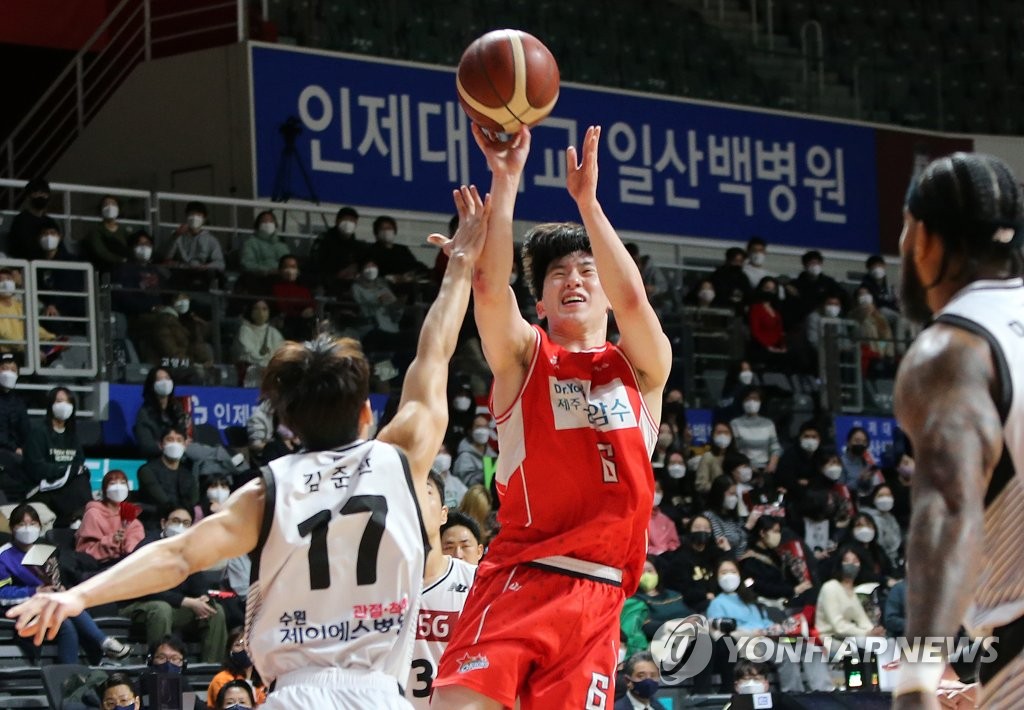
818 57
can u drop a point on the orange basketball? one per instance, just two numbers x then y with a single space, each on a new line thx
507 79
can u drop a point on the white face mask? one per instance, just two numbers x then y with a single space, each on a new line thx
863 534
481 435
218 494
745 473
62 410
117 492
110 212
75 525
809 444
677 470
387 236
658 497
832 310
174 529
347 227
751 686
865 299
884 503
746 376
729 581
443 463
7 287
195 221
49 242
814 269
462 403
878 273
706 295
27 534
143 252
722 441
757 258
174 451
730 502
8 379
268 228
370 273
163 388
752 406
833 472
182 306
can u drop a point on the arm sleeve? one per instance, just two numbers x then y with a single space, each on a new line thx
12 580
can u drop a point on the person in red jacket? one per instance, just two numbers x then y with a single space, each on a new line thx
106 534
767 334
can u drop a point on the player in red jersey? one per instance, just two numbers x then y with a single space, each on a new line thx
577 421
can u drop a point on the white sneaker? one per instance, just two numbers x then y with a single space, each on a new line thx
112 648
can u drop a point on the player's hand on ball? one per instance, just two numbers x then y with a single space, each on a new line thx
581 176
505 159
474 215
41 616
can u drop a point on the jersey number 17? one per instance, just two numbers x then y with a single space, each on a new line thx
369 545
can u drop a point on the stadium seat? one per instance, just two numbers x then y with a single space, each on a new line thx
54 677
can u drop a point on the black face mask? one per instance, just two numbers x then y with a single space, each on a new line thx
857 449
39 203
701 537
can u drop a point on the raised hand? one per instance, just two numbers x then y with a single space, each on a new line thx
474 214
41 616
505 158
581 177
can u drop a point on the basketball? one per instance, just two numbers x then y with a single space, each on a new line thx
507 79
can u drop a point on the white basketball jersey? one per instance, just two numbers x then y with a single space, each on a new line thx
337 576
440 607
994 310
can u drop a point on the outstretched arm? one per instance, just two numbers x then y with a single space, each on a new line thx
944 406
232 532
643 340
422 417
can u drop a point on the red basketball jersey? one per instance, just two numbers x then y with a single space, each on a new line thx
574 475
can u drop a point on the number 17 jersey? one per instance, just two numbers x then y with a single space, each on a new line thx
337 574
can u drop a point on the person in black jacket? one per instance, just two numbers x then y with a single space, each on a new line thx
54 460
167 481
812 286
798 466
690 568
23 239
15 429
773 578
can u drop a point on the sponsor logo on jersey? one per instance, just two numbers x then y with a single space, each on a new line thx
458 587
515 587
472 663
436 625
576 405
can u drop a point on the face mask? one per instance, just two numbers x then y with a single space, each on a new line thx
809 444
884 503
772 539
143 252
851 570
195 221
814 269
646 688
706 295
174 451
863 534
752 406
174 529
182 306
62 411
857 449
833 472
745 473
757 258
878 273
730 502
125 707
27 534
290 274
163 388
241 659
39 203
722 441
7 287
677 470
267 228
481 435
347 227
49 242
370 273
166 666
387 236
110 212
751 686
865 299
117 492
832 310
648 581
658 497
8 379
75 525
217 495
746 376
461 403
442 462
701 537
665 439
729 581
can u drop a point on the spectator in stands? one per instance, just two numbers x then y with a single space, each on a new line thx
691 567
831 307
738 380
237 667
878 351
476 503
722 501
755 436
218 490
651 606
185 608
27 225
105 245
15 427
118 693
642 682
167 481
655 283
894 618
661 531
731 286
12 314
468 466
772 577
831 480
259 429
54 459
51 244
840 613
882 293
890 536
105 534
293 300
18 582
812 286
235 694
875 565
336 254
394 260
454 489
665 442
899 477
195 252
139 278
461 538
167 654
859 469
757 249
798 464
702 295
813 520
768 347
262 252
171 336
380 307
256 342
751 679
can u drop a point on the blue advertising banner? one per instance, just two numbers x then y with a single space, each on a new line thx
881 432
700 422
393 135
